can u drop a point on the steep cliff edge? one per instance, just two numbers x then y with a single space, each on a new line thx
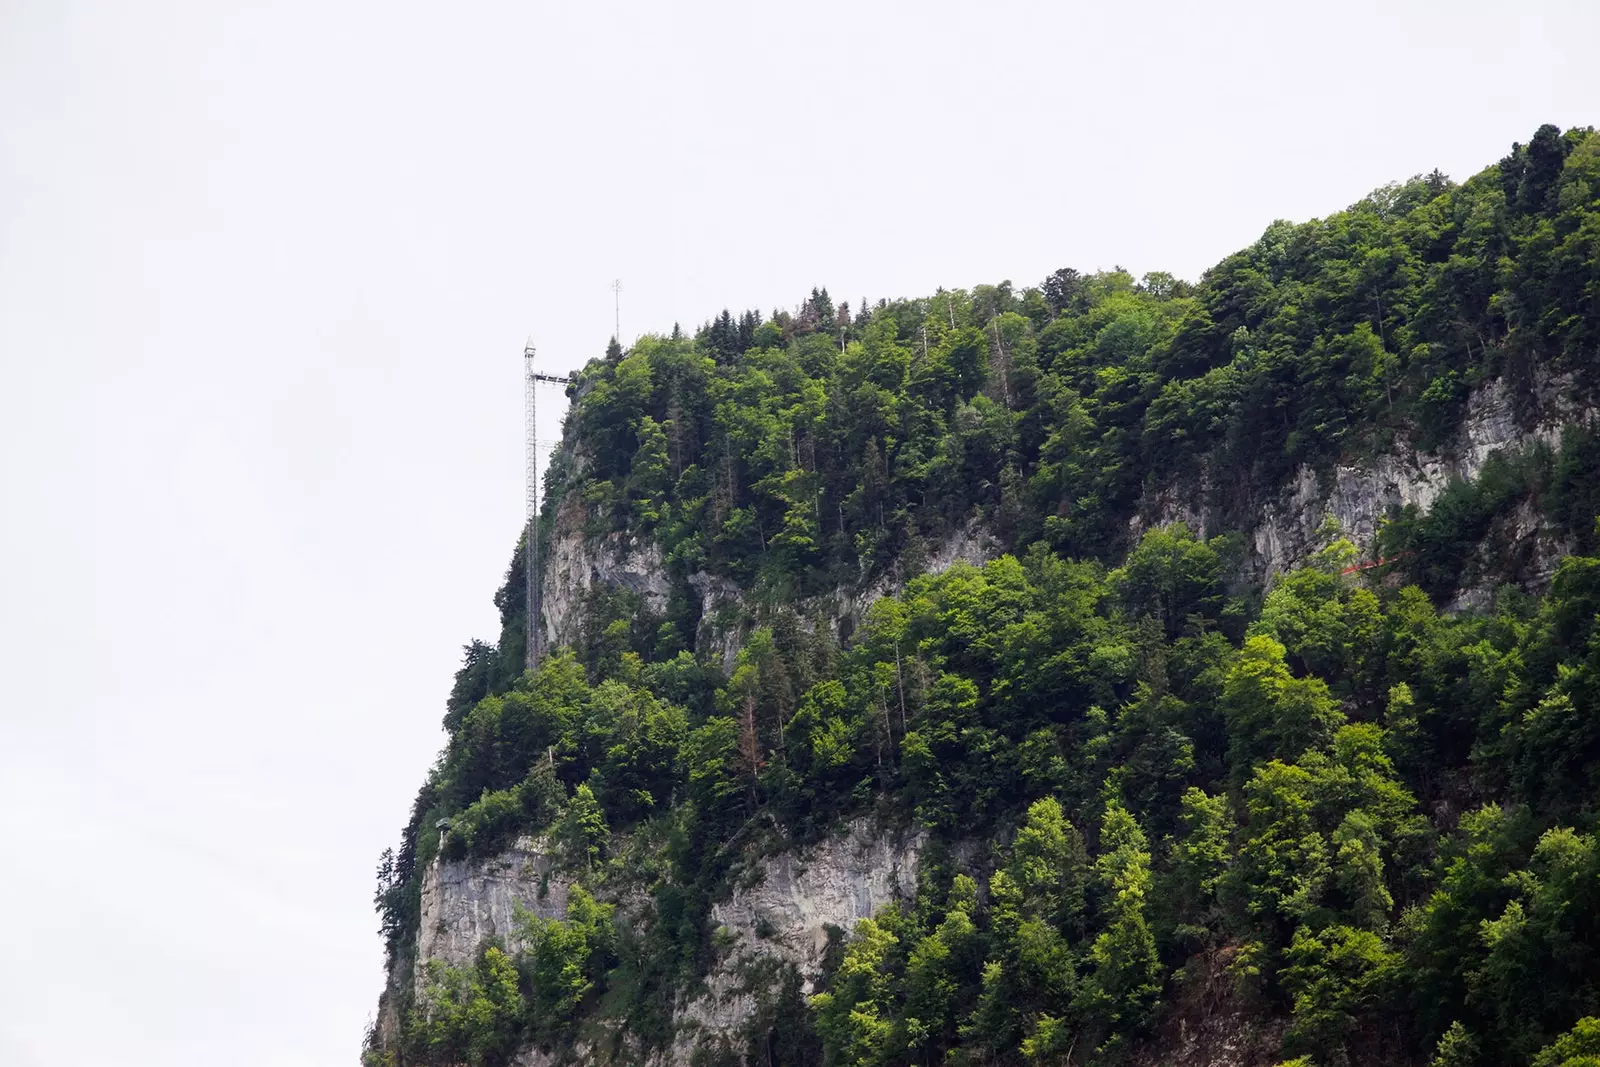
1359 496
466 904
1114 672
580 562
1289 525
784 912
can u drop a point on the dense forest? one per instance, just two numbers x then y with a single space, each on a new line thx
1142 775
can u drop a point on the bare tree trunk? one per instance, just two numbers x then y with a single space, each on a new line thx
900 684
1000 364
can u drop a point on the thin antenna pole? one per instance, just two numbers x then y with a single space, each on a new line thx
532 379
616 307
530 402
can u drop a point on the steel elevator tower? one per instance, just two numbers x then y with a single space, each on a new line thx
532 379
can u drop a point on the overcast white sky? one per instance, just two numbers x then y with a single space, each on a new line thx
265 275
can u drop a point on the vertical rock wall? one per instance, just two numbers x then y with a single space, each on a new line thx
466 903
782 912
1358 496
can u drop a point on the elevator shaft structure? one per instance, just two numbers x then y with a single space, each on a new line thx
532 379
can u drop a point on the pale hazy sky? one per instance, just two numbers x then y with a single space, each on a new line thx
265 275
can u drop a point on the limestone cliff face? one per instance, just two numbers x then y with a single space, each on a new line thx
1359 496
576 562
786 917
781 913
465 903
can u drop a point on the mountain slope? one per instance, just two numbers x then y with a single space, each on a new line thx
976 678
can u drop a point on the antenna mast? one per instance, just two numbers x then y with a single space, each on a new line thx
531 379
616 307
530 403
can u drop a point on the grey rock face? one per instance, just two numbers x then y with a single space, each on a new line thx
973 544
1359 496
574 563
467 903
784 917
721 617
800 895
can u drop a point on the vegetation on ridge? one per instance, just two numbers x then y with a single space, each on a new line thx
1378 820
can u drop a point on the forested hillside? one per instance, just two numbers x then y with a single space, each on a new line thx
1323 816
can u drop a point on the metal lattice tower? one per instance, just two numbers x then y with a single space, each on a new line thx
531 380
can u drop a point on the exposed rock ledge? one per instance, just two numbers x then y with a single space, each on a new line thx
782 913
786 917
467 902
1359 496
576 562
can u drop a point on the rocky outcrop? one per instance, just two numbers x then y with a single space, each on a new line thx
1358 496
575 562
467 903
721 617
973 543
1518 543
783 910
797 901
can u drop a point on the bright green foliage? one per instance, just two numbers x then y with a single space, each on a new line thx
1334 975
472 1015
711 754
1049 866
566 959
583 832
1270 713
1173 577
855 1018
634 740
480 1015
1456 1048
1317 832
1051 1038
1199 865
1125 976
649 480
1578 1047
1284 864
1537 961
1329 625
937 968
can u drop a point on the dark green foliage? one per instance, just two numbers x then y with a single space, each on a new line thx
1382 813
1443 547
